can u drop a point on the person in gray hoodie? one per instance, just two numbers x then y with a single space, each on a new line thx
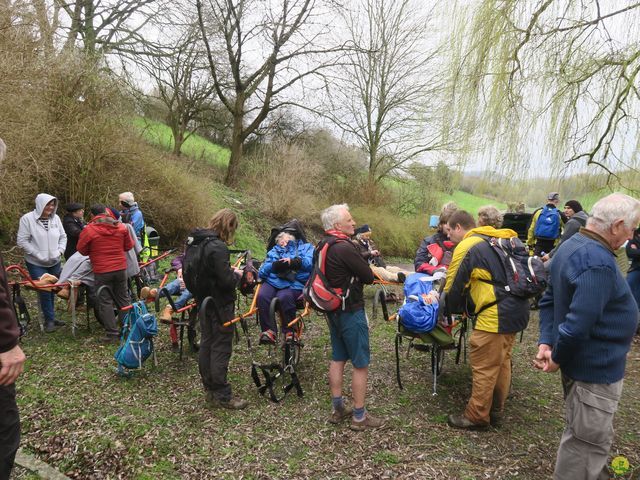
577 219
43 239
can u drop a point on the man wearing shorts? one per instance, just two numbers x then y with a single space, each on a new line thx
345 268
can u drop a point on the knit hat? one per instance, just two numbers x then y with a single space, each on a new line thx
73 207
553 196
115 213
363 229
574 205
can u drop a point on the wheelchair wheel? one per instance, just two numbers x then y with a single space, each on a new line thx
291 353
193 331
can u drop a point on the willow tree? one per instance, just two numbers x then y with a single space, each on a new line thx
260 52
383 97
549 77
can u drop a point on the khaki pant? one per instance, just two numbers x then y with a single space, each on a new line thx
588 434
490 355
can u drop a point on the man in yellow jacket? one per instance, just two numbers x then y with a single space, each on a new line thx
473 285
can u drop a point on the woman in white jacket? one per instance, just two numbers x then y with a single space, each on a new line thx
42 237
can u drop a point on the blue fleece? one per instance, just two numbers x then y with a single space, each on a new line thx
293 249
588 314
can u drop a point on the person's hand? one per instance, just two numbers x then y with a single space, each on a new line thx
11 365
375 253
539 360
550 366
545 258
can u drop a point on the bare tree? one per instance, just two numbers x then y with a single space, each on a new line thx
183 84
384 99
559 73
269 48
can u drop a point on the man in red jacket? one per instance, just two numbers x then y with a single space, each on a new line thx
11 365
105 240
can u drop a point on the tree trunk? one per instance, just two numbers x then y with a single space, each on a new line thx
178 140
237 140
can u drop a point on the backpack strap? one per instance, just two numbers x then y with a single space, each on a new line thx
495 283
320 267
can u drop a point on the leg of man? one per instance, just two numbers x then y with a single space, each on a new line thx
339 355
215 353
9 429
288 297
120 291
265 295
487 355
588 435
105 305
185 296
503 382
355 334
173 287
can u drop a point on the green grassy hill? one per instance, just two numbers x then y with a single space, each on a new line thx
471 203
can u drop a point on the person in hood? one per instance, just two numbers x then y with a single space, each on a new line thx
131 213
474 283
284 273
73 223
105 241
577 218
42 237
435 251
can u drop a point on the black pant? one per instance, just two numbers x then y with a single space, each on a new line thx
216 343
9 430
543 245
118 282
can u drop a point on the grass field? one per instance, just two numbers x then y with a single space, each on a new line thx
89 423
471 203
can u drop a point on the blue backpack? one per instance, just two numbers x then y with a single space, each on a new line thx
138 329
417 314
548 224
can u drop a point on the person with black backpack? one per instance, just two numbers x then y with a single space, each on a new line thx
545 227
208 273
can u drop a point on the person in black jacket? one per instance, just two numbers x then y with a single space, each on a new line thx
218 280
11 365
349 329
73 223
633 275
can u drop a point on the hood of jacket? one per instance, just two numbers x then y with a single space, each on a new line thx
41 201
106 224
490 231
199 235
581 217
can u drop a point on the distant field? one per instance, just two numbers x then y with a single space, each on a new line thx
196 146
471 203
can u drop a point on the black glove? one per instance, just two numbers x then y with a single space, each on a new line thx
295 263
280 266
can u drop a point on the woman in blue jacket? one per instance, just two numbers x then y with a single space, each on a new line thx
284 273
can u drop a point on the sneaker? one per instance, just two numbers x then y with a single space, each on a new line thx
462 422
50 327
234 403
369 423
337 416
47 278
268 337
165 315
401 277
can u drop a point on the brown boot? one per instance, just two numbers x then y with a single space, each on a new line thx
165 315
64 293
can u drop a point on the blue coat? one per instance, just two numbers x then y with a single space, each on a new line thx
295 248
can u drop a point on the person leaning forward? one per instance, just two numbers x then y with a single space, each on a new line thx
588 317
474 282
348 327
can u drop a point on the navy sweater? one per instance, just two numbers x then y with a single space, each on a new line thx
588 314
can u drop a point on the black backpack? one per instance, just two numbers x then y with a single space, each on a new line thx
193 263
526 275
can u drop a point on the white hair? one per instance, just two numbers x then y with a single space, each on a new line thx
282 235
3 150
127 197
612 208
332 215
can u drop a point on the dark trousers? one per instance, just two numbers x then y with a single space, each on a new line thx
118 282
9 430
543 246
216 344
287 297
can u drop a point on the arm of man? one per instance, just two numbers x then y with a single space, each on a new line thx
354 262
84 241
458 276
592 290
128 242
531 239
11 356
24 237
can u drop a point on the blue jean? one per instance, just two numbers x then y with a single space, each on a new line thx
174 289
47 299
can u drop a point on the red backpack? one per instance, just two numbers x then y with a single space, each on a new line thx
317 290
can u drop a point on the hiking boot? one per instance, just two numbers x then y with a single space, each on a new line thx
496 418
268 337
369 422
337 416
64 292
234 403
109 339
462 422
59 323
47 279
401 277
165 315
50 327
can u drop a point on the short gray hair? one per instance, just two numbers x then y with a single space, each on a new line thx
611 208
490 216
3 150
332 215
281 235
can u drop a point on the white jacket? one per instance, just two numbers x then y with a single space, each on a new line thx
42 247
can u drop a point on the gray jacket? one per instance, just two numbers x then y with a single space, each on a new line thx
42 246
579 219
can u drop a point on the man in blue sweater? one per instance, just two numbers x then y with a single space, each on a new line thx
588 317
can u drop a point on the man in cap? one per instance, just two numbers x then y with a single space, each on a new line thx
73 223
577 218
545 227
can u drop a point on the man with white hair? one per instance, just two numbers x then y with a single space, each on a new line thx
588 317
131 213
11 366
346 269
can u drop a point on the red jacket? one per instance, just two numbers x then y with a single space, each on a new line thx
105 241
